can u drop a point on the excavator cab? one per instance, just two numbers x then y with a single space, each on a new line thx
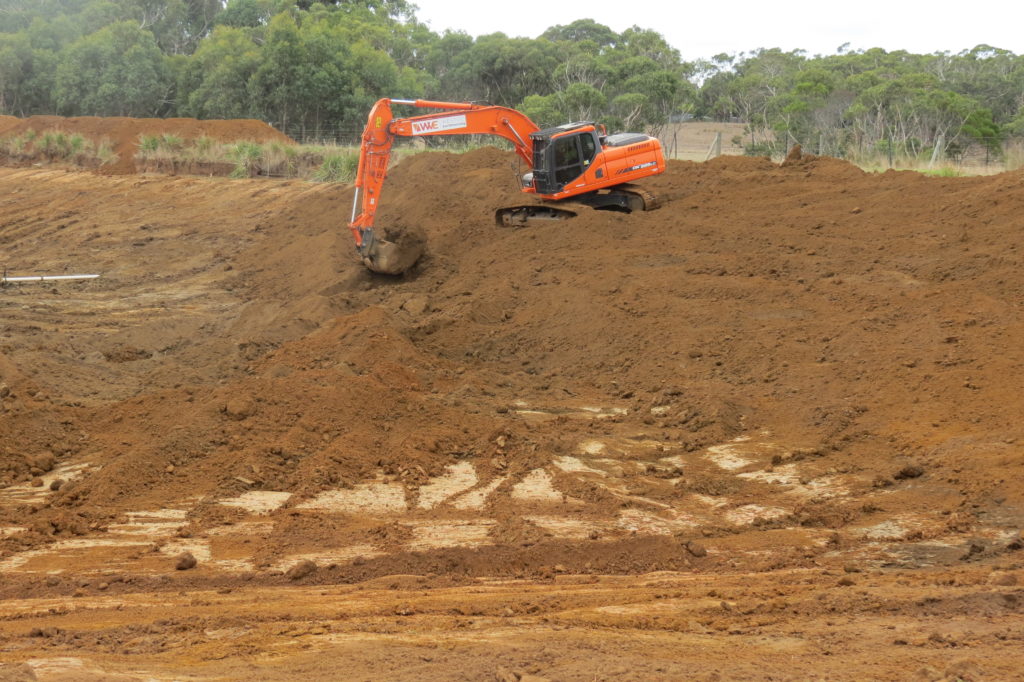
562 154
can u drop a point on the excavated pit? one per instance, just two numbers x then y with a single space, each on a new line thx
776 418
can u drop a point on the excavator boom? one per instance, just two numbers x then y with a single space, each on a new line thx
574 160
460 118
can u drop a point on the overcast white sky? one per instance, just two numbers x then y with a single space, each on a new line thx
704 29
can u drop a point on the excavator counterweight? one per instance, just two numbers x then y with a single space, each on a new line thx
577 161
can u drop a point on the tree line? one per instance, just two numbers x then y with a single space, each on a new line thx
313 66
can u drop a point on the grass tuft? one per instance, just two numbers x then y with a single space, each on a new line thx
247 157
149 145
320 163
171 143
337 167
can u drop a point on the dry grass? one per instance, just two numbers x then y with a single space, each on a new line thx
1015 155
322 163
55 146
332 163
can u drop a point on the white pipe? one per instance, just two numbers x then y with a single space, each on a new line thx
45 278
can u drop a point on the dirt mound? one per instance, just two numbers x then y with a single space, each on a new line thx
8 122
303 422
785 374
817 341
123 132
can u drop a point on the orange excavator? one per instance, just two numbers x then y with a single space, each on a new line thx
577 161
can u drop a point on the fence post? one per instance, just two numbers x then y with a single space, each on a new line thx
716 147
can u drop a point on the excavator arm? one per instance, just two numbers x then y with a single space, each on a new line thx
458 118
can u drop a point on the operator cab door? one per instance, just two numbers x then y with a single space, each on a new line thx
573 154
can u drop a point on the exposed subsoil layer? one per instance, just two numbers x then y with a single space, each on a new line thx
123 132
770 430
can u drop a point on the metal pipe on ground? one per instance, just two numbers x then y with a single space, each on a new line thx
44 278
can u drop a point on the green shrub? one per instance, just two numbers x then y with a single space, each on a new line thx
76 145
171 143
760 149
13 146
337 167
247 157
280 159
148 145
62 145
55 145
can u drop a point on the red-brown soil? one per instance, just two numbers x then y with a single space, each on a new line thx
123 132
771 430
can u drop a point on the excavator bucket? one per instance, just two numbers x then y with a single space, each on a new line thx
393 257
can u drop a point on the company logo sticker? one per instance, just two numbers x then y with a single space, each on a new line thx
637 167
437 125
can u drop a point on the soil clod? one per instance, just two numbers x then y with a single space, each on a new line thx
185 561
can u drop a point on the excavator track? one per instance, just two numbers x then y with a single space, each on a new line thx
650 202
533 214
626 198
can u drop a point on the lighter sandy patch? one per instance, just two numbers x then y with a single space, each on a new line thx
729 456
565 528
475 499
748 513
468 533
457 478
536 487
646 523
26 492
365 498
576 465
886 530
258 501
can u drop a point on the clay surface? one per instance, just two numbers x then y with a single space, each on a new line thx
771 430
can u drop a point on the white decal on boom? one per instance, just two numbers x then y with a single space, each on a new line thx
436 125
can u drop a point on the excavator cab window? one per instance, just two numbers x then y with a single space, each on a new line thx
589 146
573 154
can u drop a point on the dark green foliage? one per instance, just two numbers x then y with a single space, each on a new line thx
867 102
247 13
116 71
314 68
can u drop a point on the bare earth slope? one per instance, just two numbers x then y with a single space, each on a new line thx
770 430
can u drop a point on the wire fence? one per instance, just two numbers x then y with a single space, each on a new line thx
351 137
342 136
675 141
690 140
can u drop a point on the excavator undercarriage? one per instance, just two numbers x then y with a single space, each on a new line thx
625 198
